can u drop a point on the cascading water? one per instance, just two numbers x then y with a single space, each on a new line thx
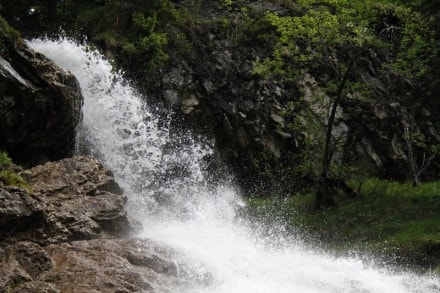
163 177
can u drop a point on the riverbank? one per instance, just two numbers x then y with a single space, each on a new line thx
395 222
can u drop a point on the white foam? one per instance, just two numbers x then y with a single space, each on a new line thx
168 192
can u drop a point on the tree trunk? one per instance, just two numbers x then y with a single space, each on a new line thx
412 164
327 154
324 193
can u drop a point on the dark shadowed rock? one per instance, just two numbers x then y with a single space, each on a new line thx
18 210
215 91
40 104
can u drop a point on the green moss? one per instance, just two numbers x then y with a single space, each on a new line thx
8 36
8 31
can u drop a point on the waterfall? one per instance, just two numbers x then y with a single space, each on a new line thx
163 175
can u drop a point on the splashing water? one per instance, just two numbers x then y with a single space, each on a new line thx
163 177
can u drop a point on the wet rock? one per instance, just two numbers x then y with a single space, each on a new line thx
12 274
189 104
100 265
76 200
18 210
69 200
40 104
32 258
69 177
65 236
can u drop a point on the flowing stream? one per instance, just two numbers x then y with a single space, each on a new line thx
163 175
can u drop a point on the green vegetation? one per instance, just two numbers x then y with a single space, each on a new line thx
140 34
335 37
393 220
340 53
7 30
11 178
7 35
8 176
4 159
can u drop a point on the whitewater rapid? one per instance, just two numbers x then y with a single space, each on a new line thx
163 175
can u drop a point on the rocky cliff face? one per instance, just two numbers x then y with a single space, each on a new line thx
260 124
390 129
40 104
214 92
64 234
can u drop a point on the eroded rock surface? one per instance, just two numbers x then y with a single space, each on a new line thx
18 210
71 199
100 265
64 234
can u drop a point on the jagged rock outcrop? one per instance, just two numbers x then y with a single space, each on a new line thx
215 91
67 200
64 234
99 265
383 128
40 104
260 124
